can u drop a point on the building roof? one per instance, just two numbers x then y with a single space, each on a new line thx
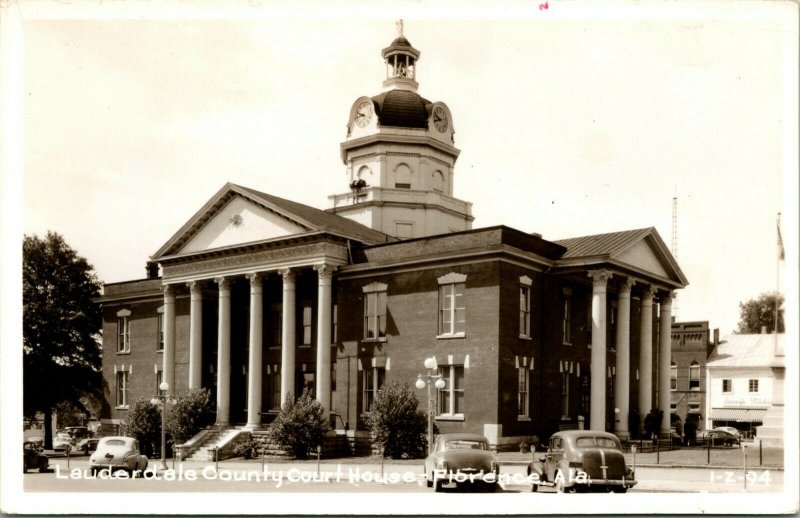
602 244
402 108
748 351
309 217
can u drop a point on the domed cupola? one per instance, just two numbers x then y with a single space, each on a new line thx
401 63
400 156
402 108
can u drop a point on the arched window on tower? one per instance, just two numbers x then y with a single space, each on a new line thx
402 177
438 181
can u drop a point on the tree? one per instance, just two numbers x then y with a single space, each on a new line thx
61 325
144 424
300 425
190 414
759 312
397 423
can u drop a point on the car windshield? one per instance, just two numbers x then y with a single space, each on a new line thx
115 442
603 442
465 444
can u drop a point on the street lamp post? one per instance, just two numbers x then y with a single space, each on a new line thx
161 400
424 380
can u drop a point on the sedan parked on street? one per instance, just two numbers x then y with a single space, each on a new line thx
462 459
117 453
582 461
716 437
62 443
32 458
87 446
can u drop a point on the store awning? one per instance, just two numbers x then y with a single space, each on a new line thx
746 415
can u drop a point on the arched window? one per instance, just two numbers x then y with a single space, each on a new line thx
402 177
438 181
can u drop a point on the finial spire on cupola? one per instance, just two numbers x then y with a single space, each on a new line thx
401 63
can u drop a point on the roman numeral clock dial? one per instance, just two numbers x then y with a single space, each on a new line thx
363 114
440 119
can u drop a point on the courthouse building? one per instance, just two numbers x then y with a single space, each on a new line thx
257 297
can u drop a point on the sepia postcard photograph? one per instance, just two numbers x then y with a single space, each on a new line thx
413 258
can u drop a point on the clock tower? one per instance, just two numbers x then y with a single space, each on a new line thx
400 156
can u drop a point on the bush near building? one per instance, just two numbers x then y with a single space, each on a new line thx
398 425
191 413
300 425
144 424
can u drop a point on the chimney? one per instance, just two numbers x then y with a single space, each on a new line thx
716 336
152 270
763 330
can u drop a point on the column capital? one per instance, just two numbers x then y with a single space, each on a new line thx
649 292
627 284
324 270
195 287
288 274
223 282
169 290
255 279
599 277
667 297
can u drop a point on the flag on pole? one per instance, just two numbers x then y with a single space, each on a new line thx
781 251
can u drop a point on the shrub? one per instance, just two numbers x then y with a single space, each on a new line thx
397 423
246 449
190 414
144 424
300 425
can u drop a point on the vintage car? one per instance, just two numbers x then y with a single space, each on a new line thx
87 446
731 430
582 461
32 458
462 459
716 437
62 443
117 453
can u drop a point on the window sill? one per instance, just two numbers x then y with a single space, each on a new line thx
159 351
122 407
128 351
456 417
566 343
448 336
523 418
373 340
525 337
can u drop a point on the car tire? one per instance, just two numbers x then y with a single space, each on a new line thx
437 486
534 487
619 489
491 487
429 480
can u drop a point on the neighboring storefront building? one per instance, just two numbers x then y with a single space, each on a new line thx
257 297
742 381
692 344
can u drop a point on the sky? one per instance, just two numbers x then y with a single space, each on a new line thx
572 120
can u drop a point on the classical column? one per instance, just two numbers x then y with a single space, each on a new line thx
324 276
288 330
224 352
169 338
665 360
646 354
622 383
598 368
195 334
256 343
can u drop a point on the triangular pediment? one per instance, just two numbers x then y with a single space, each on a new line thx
233 216
240 221
644 256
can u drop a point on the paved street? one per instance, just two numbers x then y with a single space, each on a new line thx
251 476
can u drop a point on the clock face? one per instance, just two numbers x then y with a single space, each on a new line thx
440 119
363 113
